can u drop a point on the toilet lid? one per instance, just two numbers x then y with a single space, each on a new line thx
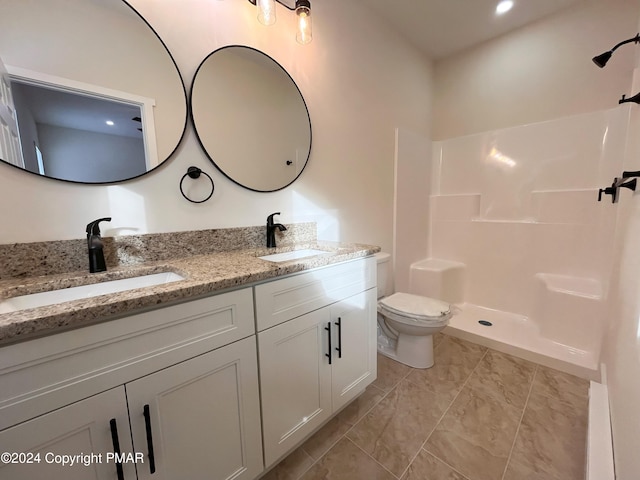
415 306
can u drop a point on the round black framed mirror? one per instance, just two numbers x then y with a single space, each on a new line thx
95 94
250 118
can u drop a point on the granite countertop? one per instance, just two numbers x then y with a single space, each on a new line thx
204 275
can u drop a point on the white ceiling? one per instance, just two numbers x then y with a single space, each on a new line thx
443 27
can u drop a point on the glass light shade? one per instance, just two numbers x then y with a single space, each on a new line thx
303 34
266 11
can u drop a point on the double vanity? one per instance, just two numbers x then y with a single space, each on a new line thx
216 375
195 354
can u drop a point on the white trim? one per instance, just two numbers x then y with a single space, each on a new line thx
146 104
10 145
599 442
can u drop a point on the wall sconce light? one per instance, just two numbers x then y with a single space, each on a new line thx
267 16
602 59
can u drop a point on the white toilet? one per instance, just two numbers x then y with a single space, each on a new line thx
406 322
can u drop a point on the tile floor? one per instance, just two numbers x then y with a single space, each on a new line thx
477 414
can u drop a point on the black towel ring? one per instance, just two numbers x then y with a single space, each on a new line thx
194 172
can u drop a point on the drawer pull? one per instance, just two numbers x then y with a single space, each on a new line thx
339 347
116 447
147 423
328 329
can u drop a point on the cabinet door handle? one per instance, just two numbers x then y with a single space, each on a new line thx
147 423
339 347
116 447
328 329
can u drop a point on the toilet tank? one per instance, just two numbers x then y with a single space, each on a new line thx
385 281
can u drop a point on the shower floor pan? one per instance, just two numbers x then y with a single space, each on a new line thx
517 335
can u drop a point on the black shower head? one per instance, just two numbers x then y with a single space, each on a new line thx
602 59
634 99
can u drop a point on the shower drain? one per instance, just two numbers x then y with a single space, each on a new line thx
486 323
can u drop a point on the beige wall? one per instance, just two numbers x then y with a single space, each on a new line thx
360 81
540 72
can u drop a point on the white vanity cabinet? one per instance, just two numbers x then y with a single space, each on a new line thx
316 348
192 368
355 366
180 383
201 418
83 428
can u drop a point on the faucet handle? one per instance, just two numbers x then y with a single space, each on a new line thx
608 191
94 227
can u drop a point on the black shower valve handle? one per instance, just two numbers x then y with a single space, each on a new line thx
631 174
608 191
617 184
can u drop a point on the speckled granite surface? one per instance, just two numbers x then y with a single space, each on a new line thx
49 258
204 274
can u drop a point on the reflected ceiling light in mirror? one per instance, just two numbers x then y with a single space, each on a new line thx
267 16
504 7
110 123
602 59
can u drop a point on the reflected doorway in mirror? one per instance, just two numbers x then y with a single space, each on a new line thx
9 136
68 122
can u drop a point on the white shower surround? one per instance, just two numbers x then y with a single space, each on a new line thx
518 207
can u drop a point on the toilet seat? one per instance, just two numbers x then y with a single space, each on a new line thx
415 309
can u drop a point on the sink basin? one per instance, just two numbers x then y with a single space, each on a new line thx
294 255
86 291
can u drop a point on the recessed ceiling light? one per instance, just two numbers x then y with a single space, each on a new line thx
504 7
110 123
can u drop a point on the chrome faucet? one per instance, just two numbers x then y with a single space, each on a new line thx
94 243
271 230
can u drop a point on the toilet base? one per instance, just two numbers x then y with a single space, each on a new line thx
414 351
417 352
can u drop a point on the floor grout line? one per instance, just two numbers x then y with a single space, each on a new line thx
396 385
442 416
385 468
344 435
515 438
442 461
385 394
361 418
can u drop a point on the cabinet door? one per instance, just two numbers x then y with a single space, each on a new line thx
78 430
295 381
354 329
200 418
